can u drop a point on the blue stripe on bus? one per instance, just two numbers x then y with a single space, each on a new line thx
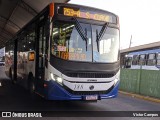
145 52
54 91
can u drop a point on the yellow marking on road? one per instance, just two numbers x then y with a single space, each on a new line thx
141 96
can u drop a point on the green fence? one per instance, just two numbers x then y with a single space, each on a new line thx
145 82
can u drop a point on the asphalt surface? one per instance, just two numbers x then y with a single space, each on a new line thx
16 98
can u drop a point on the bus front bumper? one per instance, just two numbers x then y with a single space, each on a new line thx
54 91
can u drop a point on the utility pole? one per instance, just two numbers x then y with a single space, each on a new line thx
130 42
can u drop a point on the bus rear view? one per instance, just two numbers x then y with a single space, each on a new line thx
84 57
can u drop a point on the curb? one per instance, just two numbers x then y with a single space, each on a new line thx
140 96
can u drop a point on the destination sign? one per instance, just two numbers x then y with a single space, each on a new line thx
83 13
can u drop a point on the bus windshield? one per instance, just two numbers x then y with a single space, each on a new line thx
71 43
105 49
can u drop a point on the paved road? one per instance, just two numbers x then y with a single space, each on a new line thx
16 98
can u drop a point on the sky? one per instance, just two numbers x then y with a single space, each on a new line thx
138 18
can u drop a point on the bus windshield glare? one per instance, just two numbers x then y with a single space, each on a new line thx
82 42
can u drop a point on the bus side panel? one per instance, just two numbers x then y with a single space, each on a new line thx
25 46
9 58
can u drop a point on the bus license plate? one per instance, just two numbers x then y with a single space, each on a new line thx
91 97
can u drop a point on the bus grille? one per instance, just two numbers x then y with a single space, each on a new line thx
90 75
88 92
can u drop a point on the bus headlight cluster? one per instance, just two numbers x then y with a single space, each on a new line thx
56 78
116 80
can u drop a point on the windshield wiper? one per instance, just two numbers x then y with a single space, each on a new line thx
97 40
80 30
100 35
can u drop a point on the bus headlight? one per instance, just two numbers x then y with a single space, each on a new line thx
56 78
116 80
52 77
59 80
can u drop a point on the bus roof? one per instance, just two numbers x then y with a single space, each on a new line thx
145 52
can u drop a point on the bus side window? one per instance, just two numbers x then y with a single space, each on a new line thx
31 41
158 58
24 40
154 60
135 60
151 59
142 59
128 62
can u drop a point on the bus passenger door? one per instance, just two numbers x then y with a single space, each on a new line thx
40 57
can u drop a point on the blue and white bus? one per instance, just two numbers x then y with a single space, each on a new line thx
143 59
67 52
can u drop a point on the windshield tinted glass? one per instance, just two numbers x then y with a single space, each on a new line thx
108 45
68 44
